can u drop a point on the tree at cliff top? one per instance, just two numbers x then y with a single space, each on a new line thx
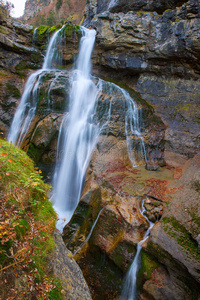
8 6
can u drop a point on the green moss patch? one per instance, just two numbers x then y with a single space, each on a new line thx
148 265
176 230
13 91
27 224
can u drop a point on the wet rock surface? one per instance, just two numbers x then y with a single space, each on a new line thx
169 259
112 193
177 103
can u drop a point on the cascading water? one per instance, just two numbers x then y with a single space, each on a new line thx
78 135
90 233
27 108
111 4
132 128
80 127
129 291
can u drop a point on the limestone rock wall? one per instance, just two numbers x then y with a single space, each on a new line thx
32 7
41 12
18 57
158 55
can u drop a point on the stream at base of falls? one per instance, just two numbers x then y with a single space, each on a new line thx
129 291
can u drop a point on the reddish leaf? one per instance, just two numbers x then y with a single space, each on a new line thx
10 160
3 154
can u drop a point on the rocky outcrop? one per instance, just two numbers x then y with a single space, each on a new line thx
116 6
176 101
176 238
109 207
68 272
158 55
140 42
49 12
22 50
18 57
111 202
32 7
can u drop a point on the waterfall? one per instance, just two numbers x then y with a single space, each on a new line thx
134 140
80 127
78 135
132 128
111 4
90 233
129 291
27 108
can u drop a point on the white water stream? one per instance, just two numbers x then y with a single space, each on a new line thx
90 233
129 291
78 135
27 108
111 3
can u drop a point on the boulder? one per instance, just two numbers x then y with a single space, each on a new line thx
175 240
68 272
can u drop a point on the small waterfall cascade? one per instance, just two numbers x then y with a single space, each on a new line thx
112 3
129 291
78 134
27 108
132 128
135 143
90 233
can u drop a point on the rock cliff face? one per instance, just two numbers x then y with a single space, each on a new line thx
38 12
32 7
18 57
159 56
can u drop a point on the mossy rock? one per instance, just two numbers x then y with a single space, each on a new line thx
123 255
12 91
35 153
44 32
148 265
176 230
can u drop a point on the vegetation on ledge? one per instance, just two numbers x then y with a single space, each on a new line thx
43 32
27 222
